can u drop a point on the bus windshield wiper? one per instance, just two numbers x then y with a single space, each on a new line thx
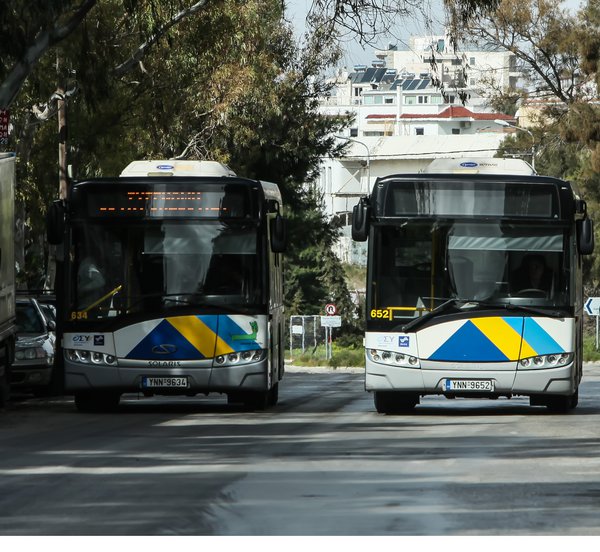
512 306
431 314
523 308
467 302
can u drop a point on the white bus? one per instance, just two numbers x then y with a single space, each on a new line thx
474 285
171 283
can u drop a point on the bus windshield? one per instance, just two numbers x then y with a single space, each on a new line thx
119 269
419 265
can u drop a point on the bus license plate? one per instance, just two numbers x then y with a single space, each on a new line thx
469 385
164 381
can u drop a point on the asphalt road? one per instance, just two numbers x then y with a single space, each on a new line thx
322 462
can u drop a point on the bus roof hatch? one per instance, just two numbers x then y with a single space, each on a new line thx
491 165
173 167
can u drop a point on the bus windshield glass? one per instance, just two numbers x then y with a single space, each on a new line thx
468 198
127 267
420 264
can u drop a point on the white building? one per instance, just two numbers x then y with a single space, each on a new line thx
473 66
403 120
344 180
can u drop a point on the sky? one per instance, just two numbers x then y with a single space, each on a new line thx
403 30
354 53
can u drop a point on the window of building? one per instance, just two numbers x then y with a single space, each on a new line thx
423 99
389 99
419 131
456 131
353 132
436 99
410 100
471 61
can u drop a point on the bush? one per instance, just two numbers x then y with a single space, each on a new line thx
347 357
590 354
350 341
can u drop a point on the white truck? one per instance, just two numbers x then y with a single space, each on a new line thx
7 272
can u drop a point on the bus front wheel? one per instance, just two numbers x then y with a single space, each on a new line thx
256 400
395 402
558 404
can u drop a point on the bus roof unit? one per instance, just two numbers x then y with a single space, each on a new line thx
172 167
490 165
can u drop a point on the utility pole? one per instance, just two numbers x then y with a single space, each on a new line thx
507 124
61 104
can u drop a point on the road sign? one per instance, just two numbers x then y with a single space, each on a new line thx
592 306
331 321
330 309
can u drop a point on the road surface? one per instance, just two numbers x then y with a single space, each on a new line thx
322 462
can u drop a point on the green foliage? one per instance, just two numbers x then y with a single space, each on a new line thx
347 357
341 356
590 354
228 84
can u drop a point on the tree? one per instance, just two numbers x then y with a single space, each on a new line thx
559 51
32 28
246 95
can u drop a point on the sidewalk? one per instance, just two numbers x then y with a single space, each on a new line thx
291 368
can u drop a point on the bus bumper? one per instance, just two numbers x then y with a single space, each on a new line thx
247 377
507 379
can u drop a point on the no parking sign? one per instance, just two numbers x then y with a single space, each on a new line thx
330 309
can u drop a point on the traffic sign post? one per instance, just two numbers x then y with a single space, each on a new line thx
328 322
592 307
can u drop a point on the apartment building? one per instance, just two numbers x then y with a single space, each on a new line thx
405 115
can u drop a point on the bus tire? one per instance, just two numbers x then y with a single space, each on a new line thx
97 401
256 400
395 402
562 404
274 395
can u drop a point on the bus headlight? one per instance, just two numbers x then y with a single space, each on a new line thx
241 357
90 357
392 358
555 360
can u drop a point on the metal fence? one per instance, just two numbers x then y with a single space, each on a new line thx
305 333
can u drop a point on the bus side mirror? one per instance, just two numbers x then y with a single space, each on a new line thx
360 220
55 223
278 229
585 236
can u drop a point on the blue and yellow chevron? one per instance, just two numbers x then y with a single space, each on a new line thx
196 338
496 339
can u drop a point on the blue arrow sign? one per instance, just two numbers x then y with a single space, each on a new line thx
592 306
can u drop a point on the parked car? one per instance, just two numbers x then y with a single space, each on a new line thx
35 346
48 305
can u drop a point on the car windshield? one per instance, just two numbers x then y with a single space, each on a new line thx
120 269
417 266
28 319
49 311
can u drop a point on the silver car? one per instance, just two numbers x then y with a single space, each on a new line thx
35 347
